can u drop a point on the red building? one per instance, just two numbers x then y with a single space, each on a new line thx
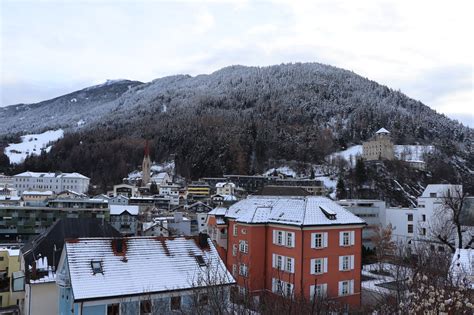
307 246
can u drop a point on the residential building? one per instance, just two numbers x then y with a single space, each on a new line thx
380 147
70 194
125 190
291 246
40 257
124 218
225 188
119 276
36 198
56 182
178 224
197 213
24 223
371 211
312 186
161 178
78 203
198 189
9 267
158 228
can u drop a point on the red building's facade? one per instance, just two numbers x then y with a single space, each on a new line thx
306 246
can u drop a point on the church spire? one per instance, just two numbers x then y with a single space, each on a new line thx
146 165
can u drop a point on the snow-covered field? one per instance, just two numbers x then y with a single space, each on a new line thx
32 144
402 152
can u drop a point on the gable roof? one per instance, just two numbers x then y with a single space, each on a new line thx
301 211
148 265
382 130
119 209
43 245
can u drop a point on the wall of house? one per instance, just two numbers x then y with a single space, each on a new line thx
65 299
41 298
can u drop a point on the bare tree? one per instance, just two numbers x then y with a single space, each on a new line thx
384 245
448 225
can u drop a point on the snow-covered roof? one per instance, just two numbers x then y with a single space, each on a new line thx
222 184
382 130
11 251
135 270
441 189
309 210
218 211
119 209
37 193
51 175
462 266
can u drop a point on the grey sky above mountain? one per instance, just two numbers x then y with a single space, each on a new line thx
423 48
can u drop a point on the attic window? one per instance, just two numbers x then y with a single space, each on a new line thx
331 215
200 260
96 266
281 214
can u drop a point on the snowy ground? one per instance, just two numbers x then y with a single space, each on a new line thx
32 144
402 152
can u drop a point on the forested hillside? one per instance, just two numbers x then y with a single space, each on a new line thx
236 119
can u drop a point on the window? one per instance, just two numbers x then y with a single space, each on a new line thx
200 260
244 246
423 217
282 287
346 287
319 240
244 231
96 266
243 270
284 238
410 228
432 195
145 307
113 309
346 263
284 263
319 266
290 239
410 217
175 304
319 290
423 231
234 250
234 270
346 238
280 237
203 299
235 231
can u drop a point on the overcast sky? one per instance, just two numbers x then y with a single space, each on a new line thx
423 48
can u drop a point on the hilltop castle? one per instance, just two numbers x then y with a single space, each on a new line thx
380 147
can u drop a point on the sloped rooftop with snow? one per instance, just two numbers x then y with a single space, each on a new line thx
146 265
309 210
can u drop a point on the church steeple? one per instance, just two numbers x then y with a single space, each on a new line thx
146 165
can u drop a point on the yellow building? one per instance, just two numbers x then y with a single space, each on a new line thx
199 189
9 264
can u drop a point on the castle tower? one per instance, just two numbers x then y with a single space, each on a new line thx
146 166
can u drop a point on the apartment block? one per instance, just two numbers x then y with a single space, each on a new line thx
306 246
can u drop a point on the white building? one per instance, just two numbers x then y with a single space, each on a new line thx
462 267
56 182
224 188
429 218
371 211
124 218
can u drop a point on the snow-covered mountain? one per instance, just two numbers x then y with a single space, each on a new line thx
70 111
231 121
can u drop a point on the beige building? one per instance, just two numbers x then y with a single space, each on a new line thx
380 147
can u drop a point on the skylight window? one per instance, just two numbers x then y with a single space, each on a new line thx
331 215
200 260
96 266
